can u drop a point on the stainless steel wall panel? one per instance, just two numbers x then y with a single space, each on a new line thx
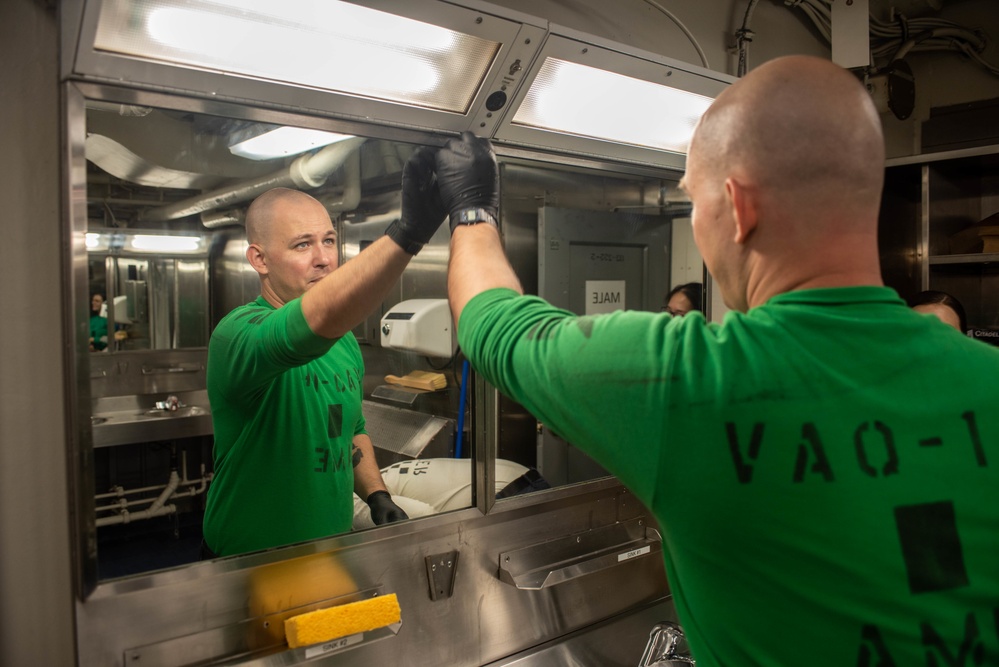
42 350
485 619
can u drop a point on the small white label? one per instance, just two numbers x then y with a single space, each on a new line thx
604 296
634 553
335 645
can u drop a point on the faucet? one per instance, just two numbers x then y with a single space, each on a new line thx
667 647
171 403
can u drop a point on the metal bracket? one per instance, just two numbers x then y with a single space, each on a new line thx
441 569
552 562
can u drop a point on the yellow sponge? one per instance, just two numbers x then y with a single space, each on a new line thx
323 625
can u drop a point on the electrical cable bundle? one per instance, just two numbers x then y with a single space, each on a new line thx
819 13
893 40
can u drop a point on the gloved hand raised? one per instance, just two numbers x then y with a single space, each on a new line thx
468 177
422 210
383 510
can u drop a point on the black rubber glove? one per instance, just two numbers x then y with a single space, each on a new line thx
383 510
422 210
468 177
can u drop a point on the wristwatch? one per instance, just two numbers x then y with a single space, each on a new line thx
472 216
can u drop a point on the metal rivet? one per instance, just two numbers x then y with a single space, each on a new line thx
478 20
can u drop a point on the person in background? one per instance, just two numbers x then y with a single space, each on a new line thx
826 481
945 306
683 298
285 374
98 323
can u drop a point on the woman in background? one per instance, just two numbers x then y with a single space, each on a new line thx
683 298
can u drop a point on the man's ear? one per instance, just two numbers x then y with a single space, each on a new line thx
744 208
255 256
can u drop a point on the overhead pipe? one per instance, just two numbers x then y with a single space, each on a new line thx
308 171
351 195
215 219
348 199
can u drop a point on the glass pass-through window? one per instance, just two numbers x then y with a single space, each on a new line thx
167 196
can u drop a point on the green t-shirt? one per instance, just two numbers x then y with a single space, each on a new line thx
99 331
825 467
286 405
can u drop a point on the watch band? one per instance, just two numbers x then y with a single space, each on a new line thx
471 216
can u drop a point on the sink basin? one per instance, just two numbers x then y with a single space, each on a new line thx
121 420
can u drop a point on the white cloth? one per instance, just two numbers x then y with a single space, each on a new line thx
428 486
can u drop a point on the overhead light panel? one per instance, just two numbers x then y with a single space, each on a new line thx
585 101
282 142
119 242
330 45
165 243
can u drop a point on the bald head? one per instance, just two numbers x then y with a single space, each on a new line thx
785 172
273 207
800 127
291 243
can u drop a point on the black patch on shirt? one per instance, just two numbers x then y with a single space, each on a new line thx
334 422
931 547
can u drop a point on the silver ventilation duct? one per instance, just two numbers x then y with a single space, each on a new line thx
307 172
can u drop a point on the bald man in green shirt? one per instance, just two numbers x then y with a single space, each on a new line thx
824 463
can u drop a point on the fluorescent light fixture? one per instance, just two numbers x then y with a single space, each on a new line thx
119 242
284 141
576 99
165 243
325 44
97 242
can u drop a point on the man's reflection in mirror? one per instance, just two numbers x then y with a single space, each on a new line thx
285 375
98 323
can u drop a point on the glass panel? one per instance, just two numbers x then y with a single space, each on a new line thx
340 47
589 241
166 204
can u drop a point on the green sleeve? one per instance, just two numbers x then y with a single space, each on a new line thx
256 343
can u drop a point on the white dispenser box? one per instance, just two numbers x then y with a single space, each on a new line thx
420 325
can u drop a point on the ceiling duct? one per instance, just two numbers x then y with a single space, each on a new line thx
307 172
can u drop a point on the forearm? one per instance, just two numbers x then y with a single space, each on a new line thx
367 475
477 263
342 300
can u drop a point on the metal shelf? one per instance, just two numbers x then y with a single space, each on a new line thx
971 258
